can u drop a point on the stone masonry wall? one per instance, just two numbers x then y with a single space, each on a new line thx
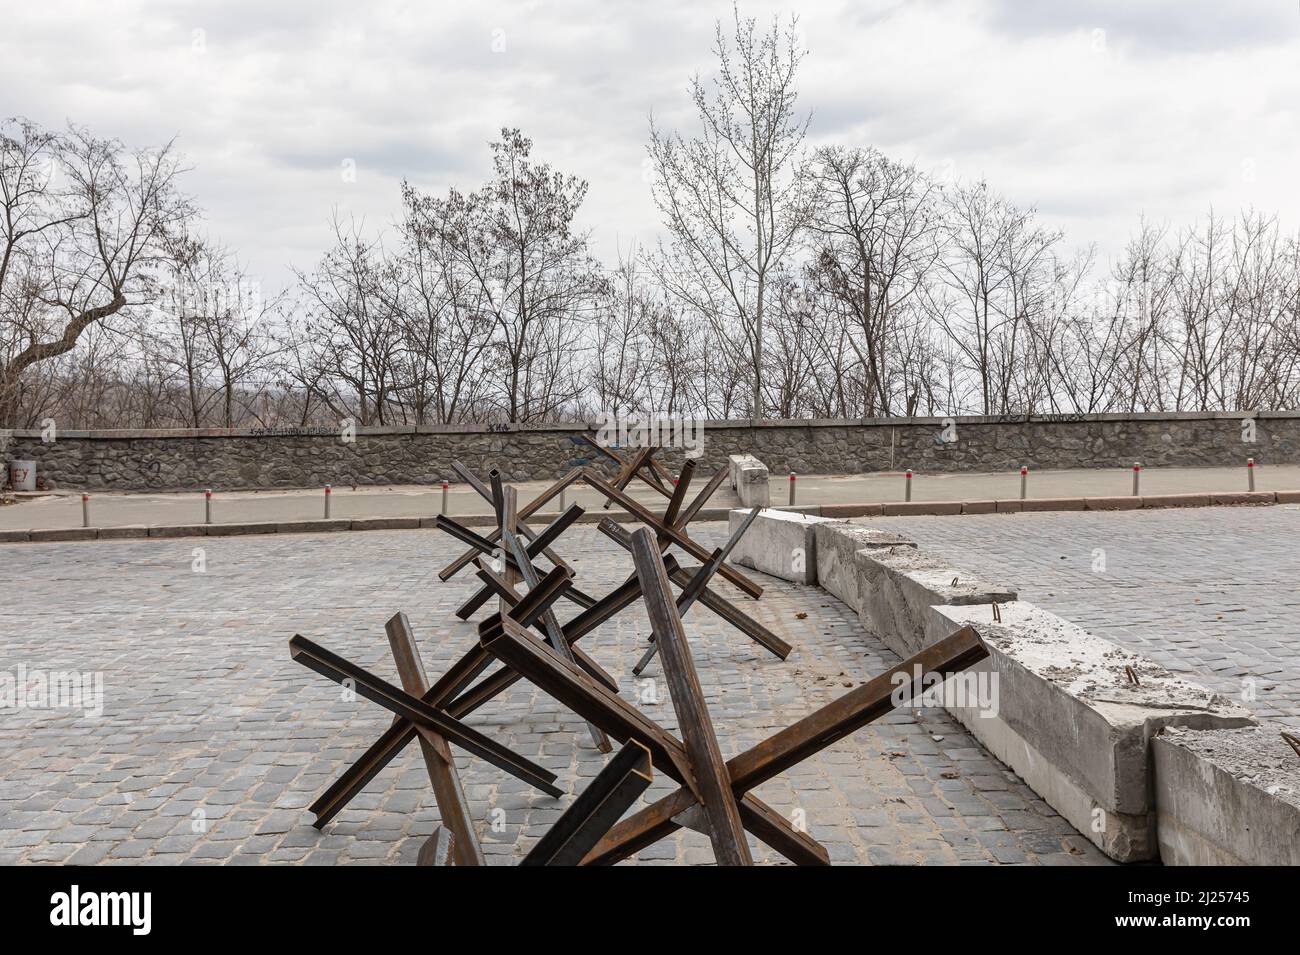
232 460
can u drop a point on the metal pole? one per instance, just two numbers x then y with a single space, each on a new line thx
907 484
1024 481
792 478
85 510
207 506
444 497
1137 473
327 502
1250 472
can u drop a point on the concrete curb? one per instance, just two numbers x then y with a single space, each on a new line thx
1016 506
61 534
827 511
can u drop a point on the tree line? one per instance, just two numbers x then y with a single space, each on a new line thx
789 282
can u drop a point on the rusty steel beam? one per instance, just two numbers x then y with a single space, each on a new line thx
380 753
816 731
551 626
438 849
533 506
725 829
720 605
525 655
599 806
676 536
412 708
695 589
438 762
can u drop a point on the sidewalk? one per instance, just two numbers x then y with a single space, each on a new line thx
108 509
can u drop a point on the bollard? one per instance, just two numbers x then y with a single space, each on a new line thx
327 502
1250 473
85 510
1137 472
207 506
444 497
792 489
907 485
1024 480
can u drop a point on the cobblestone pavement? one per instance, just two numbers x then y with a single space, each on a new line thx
1211 593
207 725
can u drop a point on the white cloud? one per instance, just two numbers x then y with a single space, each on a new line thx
1176 106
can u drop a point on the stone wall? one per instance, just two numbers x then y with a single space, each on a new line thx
140 460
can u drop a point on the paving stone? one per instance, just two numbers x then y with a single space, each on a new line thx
250 738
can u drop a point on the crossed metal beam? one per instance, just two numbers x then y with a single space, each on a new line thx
640 464
597 808
714 795
437 697
532 507
672 526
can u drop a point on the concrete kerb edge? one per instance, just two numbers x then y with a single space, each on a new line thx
65 534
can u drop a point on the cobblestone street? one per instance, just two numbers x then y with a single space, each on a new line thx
212 741
1211 593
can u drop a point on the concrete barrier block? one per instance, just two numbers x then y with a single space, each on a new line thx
979 507
897 586
13 537
1226 797
124 532
837 547
780 543
385 523
63 534
1009 507
907 508
1288 497
749 478
1072 723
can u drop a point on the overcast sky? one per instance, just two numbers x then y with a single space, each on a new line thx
1095 111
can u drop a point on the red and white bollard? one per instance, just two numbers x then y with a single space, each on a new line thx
1024 481
207 506
445 485
792 489
907 485
85 510
327 502
1250 473
1137 477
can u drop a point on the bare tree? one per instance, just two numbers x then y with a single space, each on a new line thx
877 234
82 220
516 243
734 198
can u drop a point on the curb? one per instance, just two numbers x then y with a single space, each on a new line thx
138 531
594 516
